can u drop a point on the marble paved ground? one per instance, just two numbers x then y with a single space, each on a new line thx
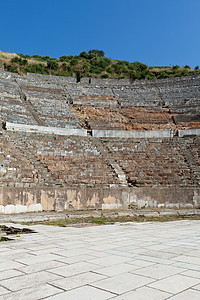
121 261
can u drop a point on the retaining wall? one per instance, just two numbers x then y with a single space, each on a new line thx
45 130
132 134
182 133
18 200
95 133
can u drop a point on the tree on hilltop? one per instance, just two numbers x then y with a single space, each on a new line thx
95 52
52 64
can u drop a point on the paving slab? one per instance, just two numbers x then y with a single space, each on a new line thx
86 292
197 287
191 273
144 293
7 264
117 269
175 284
74 269
34 293
9 274
42 266
77 280
158 271
122 283
187 295
3 291
30 280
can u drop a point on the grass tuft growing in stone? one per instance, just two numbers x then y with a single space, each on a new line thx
87 221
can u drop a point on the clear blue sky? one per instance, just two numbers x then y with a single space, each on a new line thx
155 32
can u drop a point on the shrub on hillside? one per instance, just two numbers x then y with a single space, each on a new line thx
73 61
163 75
101 63
64 58
104 76
52 64
36 68
10 68
19 61
95 52
37 57
185 72
175 67
139 66
23 56
84 55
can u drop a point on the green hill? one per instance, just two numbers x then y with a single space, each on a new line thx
89 64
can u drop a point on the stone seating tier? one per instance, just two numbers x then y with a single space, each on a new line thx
168 161
44 160
52 101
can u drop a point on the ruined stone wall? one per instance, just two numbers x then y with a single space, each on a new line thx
51 171
45 172
18 200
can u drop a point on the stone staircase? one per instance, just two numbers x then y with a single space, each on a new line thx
157 162
27 103
106 153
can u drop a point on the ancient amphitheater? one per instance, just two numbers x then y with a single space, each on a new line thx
98 143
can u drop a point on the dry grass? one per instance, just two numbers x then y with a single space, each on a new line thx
6 57
103 220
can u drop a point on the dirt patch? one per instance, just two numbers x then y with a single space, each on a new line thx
5 231
135 118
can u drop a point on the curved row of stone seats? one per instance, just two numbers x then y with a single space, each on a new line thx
180 95
159 93
48 79
182 91
24 81
19 166
195 151
46 99
15 169
79 90
138 95
43 92
12 108
132 95
163 92
49 99
189 109
9 88
45 160
157 162
30 160
167 92
76 161
97 101
187 118
51 105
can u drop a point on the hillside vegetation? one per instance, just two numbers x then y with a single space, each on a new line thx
89 64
